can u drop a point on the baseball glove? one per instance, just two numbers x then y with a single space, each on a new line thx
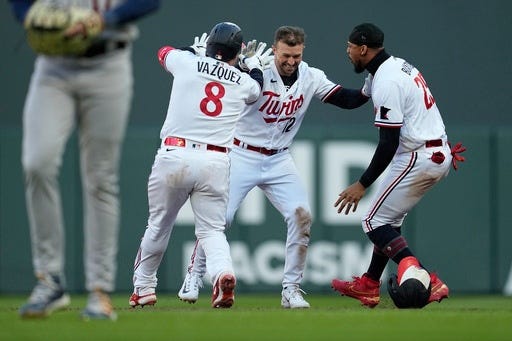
61 30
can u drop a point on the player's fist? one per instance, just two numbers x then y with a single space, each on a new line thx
199 45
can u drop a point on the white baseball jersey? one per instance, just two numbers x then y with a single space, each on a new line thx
280 111
206 100
272 123
206 91
402 99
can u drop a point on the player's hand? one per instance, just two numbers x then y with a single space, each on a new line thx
349 198
249 49
367 87
199 45
82 28
267 61
257 60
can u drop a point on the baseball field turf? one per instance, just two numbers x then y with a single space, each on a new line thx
260 317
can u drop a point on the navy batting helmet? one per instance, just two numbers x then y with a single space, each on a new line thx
410 294
411 288
224 41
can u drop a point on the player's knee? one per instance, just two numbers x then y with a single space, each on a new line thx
38 168
304 220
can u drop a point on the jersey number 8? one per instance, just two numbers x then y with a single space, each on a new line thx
214 92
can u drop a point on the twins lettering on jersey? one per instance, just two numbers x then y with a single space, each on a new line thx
217 70
272 108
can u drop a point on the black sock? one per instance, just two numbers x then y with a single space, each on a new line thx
377 264
390 242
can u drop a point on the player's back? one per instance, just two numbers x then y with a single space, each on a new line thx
206 99
400 88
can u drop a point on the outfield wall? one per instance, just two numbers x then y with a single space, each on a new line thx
460 229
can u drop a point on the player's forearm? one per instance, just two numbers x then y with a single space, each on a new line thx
257 75
347 98
388 143
130 10
20 8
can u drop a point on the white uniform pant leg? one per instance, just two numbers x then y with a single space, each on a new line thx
166 196
409 177
244 172
104 111
48 120
285 190
209 203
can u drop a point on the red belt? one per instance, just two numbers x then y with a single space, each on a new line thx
434 143
260 150
181 142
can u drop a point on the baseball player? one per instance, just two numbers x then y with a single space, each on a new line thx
207 97
91 92
414 144
261 157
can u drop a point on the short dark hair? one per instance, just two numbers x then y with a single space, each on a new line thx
367 34
290 35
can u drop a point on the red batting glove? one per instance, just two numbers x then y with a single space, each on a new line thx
458 148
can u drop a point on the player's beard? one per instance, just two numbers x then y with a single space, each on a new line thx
358 67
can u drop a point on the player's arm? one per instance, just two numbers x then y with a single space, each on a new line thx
350 98
129 11
162 54
20 8
346 98
257 75
389 139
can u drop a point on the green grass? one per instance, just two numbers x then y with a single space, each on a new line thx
260 317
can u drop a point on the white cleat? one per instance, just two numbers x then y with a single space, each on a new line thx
189 291
292 298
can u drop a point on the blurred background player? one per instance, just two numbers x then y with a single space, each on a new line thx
93 93
208 95
261 157
413 142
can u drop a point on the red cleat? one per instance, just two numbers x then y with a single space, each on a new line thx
438 290
362 288
224 291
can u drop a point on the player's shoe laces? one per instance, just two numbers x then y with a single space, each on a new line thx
47 296
224 290
189 291
438 290
362 288
291 298
142 297
99 307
